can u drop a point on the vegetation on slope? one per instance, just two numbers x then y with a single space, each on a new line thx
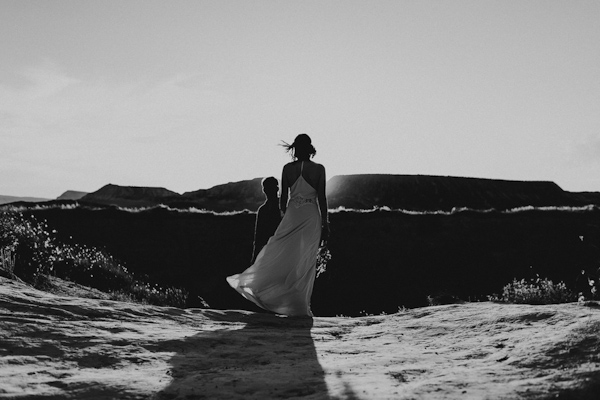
377 260
32 252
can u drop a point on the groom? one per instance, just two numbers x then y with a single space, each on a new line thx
268 216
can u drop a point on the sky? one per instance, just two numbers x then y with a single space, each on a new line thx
186 95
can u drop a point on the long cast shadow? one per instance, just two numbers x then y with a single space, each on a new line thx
246 355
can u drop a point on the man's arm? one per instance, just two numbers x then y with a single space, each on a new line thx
257 226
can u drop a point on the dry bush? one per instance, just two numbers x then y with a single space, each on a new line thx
535 291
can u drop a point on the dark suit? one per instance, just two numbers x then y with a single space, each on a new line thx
267 221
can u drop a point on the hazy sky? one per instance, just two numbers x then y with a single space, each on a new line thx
190 94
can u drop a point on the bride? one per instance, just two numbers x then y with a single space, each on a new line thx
281 279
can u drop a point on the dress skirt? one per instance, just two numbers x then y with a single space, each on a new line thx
282 277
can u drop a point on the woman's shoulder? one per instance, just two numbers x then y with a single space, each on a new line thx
309 164
289 165
318 166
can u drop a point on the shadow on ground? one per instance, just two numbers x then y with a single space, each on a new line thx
247 356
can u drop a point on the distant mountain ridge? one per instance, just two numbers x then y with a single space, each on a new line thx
130 196
232 196
14 199
71 195
424 192
362 191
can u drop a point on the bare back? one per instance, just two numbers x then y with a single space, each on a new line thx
313 174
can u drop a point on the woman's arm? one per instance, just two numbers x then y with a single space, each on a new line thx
283 199
323 204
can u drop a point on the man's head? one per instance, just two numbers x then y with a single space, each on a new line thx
270 187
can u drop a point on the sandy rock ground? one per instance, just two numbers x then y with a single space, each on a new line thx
56 346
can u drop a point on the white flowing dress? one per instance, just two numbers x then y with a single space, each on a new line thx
282 277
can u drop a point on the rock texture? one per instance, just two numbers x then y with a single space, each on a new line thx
62 347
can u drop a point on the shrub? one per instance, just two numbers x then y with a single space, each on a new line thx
7 260
33 246
143 292
32 252
535 291
588 282
323 257
91 267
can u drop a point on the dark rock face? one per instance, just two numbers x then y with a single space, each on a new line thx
380 260
420 192
185 249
